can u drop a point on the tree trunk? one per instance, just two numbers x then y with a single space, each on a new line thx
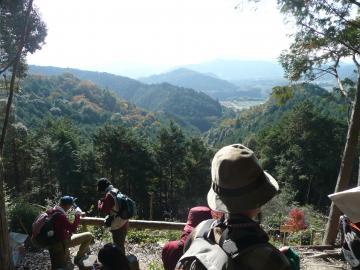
5 253
347 161
358 183
5 256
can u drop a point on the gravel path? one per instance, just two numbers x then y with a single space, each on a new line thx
147 254
150 254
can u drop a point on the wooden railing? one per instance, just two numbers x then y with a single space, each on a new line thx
137 224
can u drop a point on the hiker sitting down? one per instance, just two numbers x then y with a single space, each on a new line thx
64 238
173 250
239 188
109 206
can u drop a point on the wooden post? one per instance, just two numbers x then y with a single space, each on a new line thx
152 195
313 232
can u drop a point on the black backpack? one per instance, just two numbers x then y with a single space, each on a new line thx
127 207
43 230
350 241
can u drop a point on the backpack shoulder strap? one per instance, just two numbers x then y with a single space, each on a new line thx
114 193
228 245
55 215
204 228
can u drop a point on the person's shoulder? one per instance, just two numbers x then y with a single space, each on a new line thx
265 256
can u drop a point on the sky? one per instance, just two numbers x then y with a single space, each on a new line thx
140 37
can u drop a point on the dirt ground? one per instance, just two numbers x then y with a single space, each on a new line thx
150 254
317 260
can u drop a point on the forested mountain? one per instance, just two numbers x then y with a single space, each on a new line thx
187 106
81 101
114 82
211 85
258 118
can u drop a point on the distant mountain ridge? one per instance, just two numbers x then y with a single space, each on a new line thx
186 105
234 70
214 87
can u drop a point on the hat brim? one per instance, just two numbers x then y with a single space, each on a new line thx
250 200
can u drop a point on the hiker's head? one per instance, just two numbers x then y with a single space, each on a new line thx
196 215
102 184
112 258
239 184
66 202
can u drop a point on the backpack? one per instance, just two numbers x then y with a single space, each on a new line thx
127 207
43 234
350 241
206 254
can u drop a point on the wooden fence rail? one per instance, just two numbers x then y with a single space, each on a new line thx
137 224
164 225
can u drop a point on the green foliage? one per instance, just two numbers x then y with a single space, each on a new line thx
12 28
282 94
22 216
190 109
274 212
327 31
83 102
101 233
257 118
155 265
150 237
298 152
182 172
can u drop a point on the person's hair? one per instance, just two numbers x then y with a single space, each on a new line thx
112 258
102 184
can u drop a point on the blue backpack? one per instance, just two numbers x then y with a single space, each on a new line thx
127 207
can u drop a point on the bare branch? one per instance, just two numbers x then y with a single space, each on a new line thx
328 70
356 61
9 64
355 2
341 16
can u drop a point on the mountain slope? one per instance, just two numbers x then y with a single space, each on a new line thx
186 105
114 82
214 87
257 118
81 101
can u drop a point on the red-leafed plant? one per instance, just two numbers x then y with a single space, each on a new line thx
296 219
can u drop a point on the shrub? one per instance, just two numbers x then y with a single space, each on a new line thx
22 216
149 236
155 265
296 219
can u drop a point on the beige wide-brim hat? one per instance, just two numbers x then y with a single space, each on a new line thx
238 181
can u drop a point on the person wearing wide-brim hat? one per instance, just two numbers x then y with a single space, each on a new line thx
239 187
238 182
